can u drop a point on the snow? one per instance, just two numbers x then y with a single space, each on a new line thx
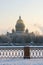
19 61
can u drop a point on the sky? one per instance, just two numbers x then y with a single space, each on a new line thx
31 12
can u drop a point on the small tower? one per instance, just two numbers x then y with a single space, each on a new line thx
19 17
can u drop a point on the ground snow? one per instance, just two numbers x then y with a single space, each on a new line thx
21 61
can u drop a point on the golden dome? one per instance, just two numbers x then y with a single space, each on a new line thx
20 25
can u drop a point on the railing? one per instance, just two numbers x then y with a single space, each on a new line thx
21 51
11 51
36 52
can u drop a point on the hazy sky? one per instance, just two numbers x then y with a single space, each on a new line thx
31 12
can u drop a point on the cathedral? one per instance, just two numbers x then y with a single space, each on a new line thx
19 28
19 34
